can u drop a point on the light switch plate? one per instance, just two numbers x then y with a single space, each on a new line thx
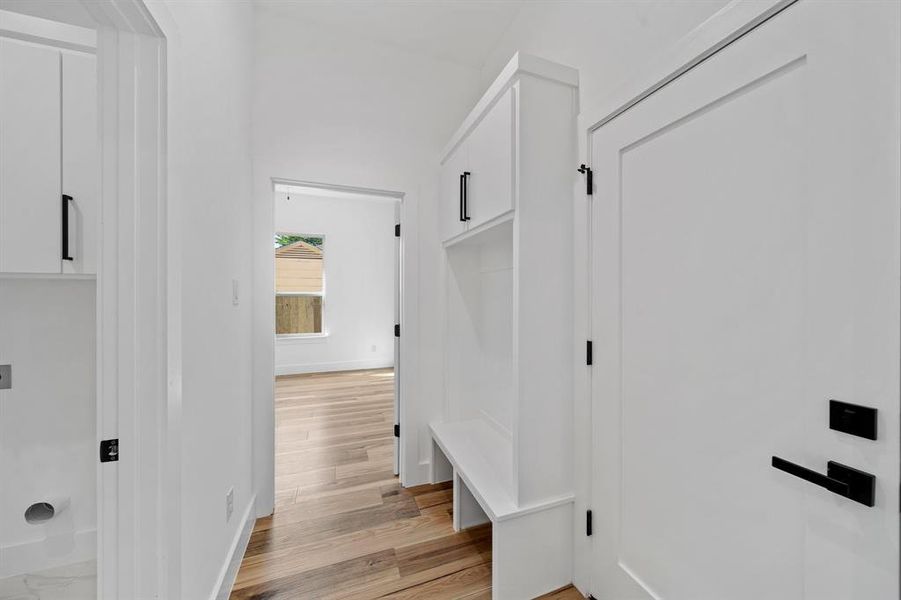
6 377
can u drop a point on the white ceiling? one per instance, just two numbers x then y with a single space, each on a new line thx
461 31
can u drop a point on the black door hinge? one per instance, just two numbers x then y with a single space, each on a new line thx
588 529
588 353
109 450
589 179
397 230
397 330
590 597
397 430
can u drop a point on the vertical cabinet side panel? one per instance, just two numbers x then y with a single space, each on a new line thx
543 261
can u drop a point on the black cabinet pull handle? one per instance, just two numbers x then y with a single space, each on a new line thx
466 195
65 206
839 479
461 198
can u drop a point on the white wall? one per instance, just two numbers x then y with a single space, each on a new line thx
332 107
359 256
48 421
607 41
210 55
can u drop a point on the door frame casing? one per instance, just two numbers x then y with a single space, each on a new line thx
726 26
138 535
138 305
409 469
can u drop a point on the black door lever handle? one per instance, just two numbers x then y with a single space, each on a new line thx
839 479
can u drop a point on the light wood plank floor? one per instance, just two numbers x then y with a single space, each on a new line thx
343 526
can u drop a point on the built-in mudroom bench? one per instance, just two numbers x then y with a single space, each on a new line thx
506 220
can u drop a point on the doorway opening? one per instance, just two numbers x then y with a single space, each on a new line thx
337 306
83 87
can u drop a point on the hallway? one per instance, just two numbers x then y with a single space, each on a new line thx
343 527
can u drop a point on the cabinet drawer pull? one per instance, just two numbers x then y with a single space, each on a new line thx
466 195
461 198
65 207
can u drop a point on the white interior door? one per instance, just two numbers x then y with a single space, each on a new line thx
29 158
398 278
746 265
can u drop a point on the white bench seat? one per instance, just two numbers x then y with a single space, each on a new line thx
531 544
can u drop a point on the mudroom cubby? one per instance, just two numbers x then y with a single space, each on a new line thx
505 437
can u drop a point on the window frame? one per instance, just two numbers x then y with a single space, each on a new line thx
321 294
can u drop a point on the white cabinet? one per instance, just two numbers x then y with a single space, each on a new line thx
30 177
48 154
477 175
452 172
505 436
80 161
489 191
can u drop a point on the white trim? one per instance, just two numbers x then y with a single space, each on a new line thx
407 368
328 367
62 276
313 187
727 25
36 30
229 571
291 338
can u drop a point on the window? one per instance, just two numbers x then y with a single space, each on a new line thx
299 284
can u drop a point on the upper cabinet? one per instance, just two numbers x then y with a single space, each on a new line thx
489 183
453 218
30 173
48 160
483 169
80 162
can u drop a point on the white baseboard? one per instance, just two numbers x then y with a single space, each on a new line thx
46 554
350 365
229 570
420 475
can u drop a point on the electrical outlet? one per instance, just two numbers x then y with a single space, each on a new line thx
229 504
235 299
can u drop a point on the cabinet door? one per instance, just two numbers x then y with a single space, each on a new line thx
451 222
491 156
29 158
80 160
